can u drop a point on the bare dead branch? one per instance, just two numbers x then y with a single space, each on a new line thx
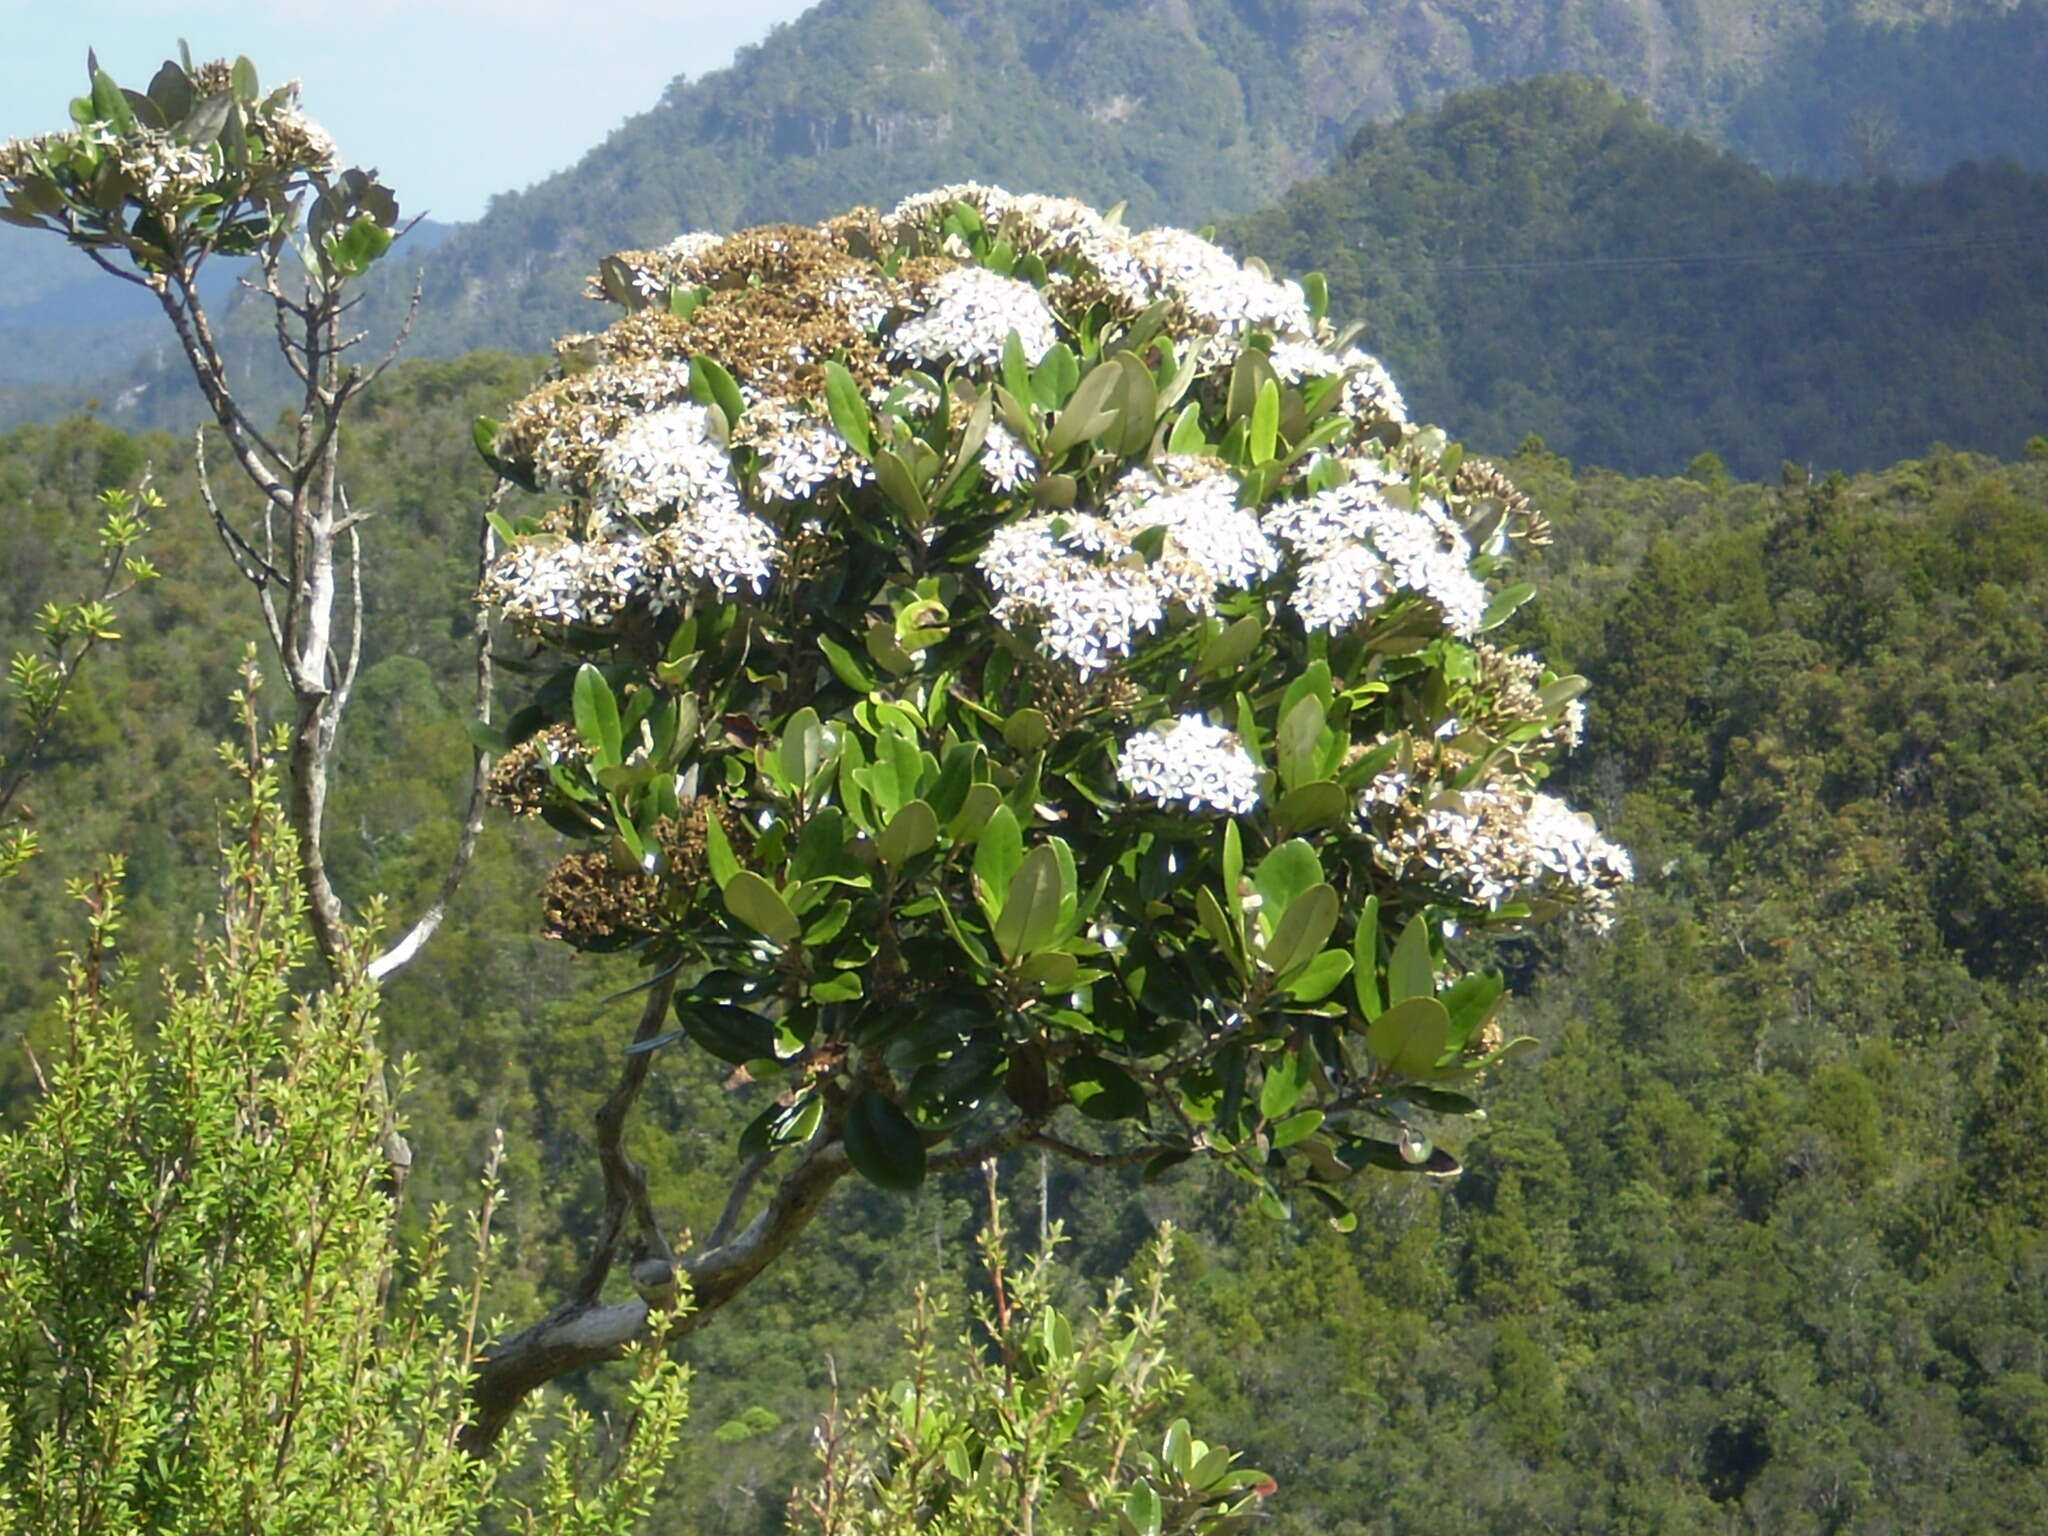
736 1201
255 569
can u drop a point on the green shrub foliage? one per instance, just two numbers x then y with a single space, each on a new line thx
1030 1421
209 1320
1007 657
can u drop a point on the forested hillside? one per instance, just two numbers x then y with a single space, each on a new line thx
1195 109
1763 1245
1545 257
1191 110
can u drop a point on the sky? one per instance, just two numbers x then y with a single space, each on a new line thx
452 100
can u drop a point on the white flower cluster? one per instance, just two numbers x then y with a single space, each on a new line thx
1005 460
800 451
1195 501
1498 840
1193 763
1358 551
1088 590
562 428
967 316
169 171
660 465
863 299
315 145
544 585
1217 291
1369 390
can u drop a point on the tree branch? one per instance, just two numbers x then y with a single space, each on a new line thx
584 1331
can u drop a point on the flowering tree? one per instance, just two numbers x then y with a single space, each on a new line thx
206 165
1021 681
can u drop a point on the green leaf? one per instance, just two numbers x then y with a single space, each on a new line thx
1365 956
1187 435
846 666
710 384
1316 289
882 1143
1031 907
1177 1449
364 241
1295 1128
848 409
718 855
1285 1081
802 751
1219 928
1137 406
1309 806
1265 439
760 906
1301 932
1087 412
1028 730
1440 1101
1051 970
1410 1036
729 1032
109 105
247 87
1504 603
914 830
1281 876
1411 972
1231 645
1296 739
900 486
998 851
1016 366
1323 975
1053 381
1144 1510
597 716
1102 1090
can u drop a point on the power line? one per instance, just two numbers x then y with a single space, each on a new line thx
1934 246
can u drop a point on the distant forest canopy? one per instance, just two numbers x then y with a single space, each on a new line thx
1762 1246
1546 258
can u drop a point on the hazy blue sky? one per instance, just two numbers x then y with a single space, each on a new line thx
451 99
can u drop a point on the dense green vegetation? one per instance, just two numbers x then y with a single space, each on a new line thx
1544 257
1764 1246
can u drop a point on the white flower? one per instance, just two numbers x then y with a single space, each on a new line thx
1194 763
661 464
1005 460
168 170
1195 501
800 452
1369 390
1215 290
1086 587
1497 840
1294 360
1358 551
967 316
715 545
